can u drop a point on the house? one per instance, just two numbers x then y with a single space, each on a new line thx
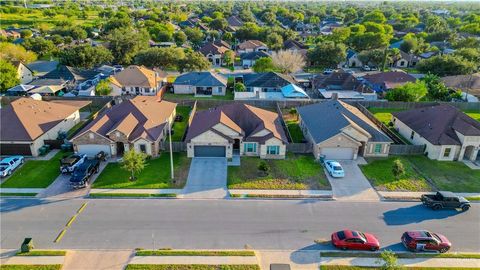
137 80
236 129
406 60
338 130
384 81
352 60
41 67
200 84
294 45
466 83
75 78
24 73
27 124
234 22
342 84
140 123
249 59
11 34
251 46
270 85
48 87
215 51
446 132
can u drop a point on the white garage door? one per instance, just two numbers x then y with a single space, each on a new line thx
92 149
338 153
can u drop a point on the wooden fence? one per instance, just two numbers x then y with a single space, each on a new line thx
466 106
406 149
300 148
176 146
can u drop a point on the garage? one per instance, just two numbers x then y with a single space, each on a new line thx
15 149
93 149
338 153
209 151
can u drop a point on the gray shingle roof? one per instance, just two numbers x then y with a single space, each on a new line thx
267 80
326 119
201 79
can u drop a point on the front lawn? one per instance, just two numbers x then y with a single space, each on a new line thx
294 172
242 253
155 175
35 173
180 127
31 267
448 175
380 173
192 267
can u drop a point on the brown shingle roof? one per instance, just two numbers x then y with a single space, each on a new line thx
136 76
391 79
465 82
217 47
437 124
245 119
26 119
140 117
250 44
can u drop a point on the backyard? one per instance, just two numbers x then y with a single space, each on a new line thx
385 114
294 172
228 96
35 173
291 120
155 175
180 127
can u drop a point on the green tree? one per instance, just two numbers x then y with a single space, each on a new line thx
264 64
134 162
409 92
446 65
103 88
229 57
12 52
269 18
39 45
194 61
26 33
436 88
274 41
194 35
376 16
125 43
469 54
327 54
372 57
219 24
8 75
180 38
340 34
240 87
398 169
389 261
165 58
85 56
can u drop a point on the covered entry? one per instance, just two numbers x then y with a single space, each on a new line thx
209 151
338 153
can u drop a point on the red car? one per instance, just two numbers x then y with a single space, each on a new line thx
348 239
425 241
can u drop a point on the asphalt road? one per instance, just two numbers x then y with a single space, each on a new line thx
224 224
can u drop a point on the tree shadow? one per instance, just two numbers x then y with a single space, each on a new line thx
415 214
13 204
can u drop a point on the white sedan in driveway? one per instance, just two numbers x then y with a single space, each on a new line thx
9 164
334 168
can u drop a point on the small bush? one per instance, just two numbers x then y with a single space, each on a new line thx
293 111
263 167
389 261
398 168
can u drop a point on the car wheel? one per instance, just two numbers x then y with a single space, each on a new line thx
465 208
22 161
437 207
443 250
344 248
373 248
9 172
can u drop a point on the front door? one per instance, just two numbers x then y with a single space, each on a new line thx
236 144
120 148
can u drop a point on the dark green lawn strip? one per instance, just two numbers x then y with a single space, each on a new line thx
31 267
6 194
473 198
403 255
180 127
295 131
131 195
195 253
345 267
155 175
190 267
43 253
35 173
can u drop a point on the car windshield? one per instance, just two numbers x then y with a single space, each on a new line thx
434 236
4 164
337 168
2 169
341 235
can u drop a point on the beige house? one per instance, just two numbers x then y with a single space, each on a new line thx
27 123
446 132
340 131
236 129
24 74
140 123
137 80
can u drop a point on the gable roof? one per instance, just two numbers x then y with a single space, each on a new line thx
205 78
292 44
216 47
327 119
140 117
437 124
340 80
243 118
254 55
42 67
391 79
136 76
25 119
267 80
250 44
234 21
71 74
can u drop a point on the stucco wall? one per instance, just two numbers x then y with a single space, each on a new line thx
183 89
273 142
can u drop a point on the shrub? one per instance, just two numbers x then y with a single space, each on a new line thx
263 167
292 111
388 259
398 168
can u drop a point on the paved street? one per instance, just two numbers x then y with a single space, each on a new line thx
224 224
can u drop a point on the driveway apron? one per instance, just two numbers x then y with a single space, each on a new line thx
207 178
97 259
354 186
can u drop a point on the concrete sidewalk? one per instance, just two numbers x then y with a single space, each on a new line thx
21 190
97 260
210 260
297 259
135 191
416 195
417 262
273 192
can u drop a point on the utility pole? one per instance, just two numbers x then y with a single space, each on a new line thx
171 152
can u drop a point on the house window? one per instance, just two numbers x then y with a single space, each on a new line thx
91 136
446 152
411 135
250 147
378 148
147 90
143 148
219 90
273 150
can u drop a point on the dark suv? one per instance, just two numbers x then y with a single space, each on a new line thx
82 174
425 241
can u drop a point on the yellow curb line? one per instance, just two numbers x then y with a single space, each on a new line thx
72 219
60 235
82 207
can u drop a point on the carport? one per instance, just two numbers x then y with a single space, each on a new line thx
209 151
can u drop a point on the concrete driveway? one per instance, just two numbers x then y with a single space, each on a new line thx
207 178
354 186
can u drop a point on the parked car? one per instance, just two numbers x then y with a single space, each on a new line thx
425 241
348 239
445 199
327 71
9 164
68 164
334 168
82 174
366 68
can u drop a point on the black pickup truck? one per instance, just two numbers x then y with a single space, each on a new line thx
445 199
82 174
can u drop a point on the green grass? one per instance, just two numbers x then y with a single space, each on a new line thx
18 194
130 195
473 114
228 96
75 128
43 253
384 114
403 255
180 127
448 175
473 198
379 173
155 175
35 173
294 172
295 131
31 267
190 267
195 253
